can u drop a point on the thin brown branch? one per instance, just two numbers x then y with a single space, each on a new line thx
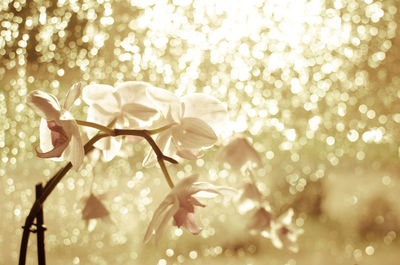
100 127
52 183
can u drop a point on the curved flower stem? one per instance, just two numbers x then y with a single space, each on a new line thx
166 174
52 183
100 127
155 131
160 156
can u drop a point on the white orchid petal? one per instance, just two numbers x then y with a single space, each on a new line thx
208 188
97 93
193 133
103 96
45 105
187 154
185 186
160 218
276 241
166 218
139 111
112 148
57 151
134 92
286 218
206 194
207 108
168 104
76 152
163 142
73 94
98 115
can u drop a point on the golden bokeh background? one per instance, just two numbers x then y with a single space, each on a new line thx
314 84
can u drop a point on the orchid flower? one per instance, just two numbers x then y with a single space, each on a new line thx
250 197
59 133
126 105
195 121
94 209
262 220
262 217
239 153
284 233
180 205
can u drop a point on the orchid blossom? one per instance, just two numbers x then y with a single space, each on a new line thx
180 205
284 233
195 121
59 133
94 209
239 154
262 220
250 197
126 105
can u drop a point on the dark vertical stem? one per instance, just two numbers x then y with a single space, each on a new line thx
40 228
48 188
52 183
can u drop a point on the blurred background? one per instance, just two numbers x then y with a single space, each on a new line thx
314 86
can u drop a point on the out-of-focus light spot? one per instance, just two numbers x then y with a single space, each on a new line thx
17 212
371 114
162 262
363 108
352 135
390 236
330 140
299 221
386 180
291 262
107 21
370 250
269 155
178 232
360 155
342 109
296 86
374 135
193 254
291 134
169 252
314 122
357 254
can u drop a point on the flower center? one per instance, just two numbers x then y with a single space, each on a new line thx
58 135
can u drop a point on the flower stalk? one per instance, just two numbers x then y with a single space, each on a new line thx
97 126
88 147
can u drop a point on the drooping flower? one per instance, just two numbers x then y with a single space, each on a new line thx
180 205
126 105
284 233
59 133
239 153
262 217
195 121
93 209
261 221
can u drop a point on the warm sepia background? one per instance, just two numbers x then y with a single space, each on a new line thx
315 84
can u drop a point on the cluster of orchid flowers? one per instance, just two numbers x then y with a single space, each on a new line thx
183 128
